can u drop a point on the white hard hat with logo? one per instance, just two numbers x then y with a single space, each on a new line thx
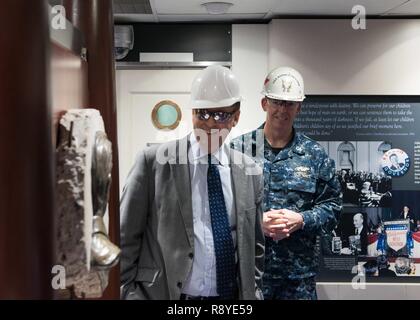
214 87
284 83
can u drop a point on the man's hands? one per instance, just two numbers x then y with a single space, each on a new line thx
279 224
275 225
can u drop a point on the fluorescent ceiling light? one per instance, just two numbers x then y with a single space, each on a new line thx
217 7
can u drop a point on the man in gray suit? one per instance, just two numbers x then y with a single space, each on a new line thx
191 208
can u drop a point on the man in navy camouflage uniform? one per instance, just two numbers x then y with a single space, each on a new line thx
302 192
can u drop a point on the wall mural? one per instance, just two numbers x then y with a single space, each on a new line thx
374 141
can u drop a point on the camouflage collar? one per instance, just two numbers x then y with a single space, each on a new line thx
295 146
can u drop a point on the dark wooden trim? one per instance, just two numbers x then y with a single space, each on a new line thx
69 86
94 18
26 162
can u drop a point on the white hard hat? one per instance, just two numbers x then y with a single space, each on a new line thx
284 83
214 87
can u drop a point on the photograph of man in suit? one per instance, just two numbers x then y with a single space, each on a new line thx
406 215
395 165
361 231
192 230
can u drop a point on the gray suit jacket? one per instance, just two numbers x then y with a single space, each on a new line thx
157 236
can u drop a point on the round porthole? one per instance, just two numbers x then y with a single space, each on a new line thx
166 115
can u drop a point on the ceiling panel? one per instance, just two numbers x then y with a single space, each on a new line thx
192 10
409 8
331 7
131 18
132 6
209 18
195 7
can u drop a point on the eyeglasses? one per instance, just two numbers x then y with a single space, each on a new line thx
218 117
279 103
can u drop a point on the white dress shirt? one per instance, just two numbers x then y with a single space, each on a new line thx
202 278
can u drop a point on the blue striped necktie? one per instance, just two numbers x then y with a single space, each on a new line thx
222 236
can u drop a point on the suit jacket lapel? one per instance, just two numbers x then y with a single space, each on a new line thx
181 177
239 195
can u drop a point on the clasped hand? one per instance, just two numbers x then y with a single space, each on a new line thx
280 224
